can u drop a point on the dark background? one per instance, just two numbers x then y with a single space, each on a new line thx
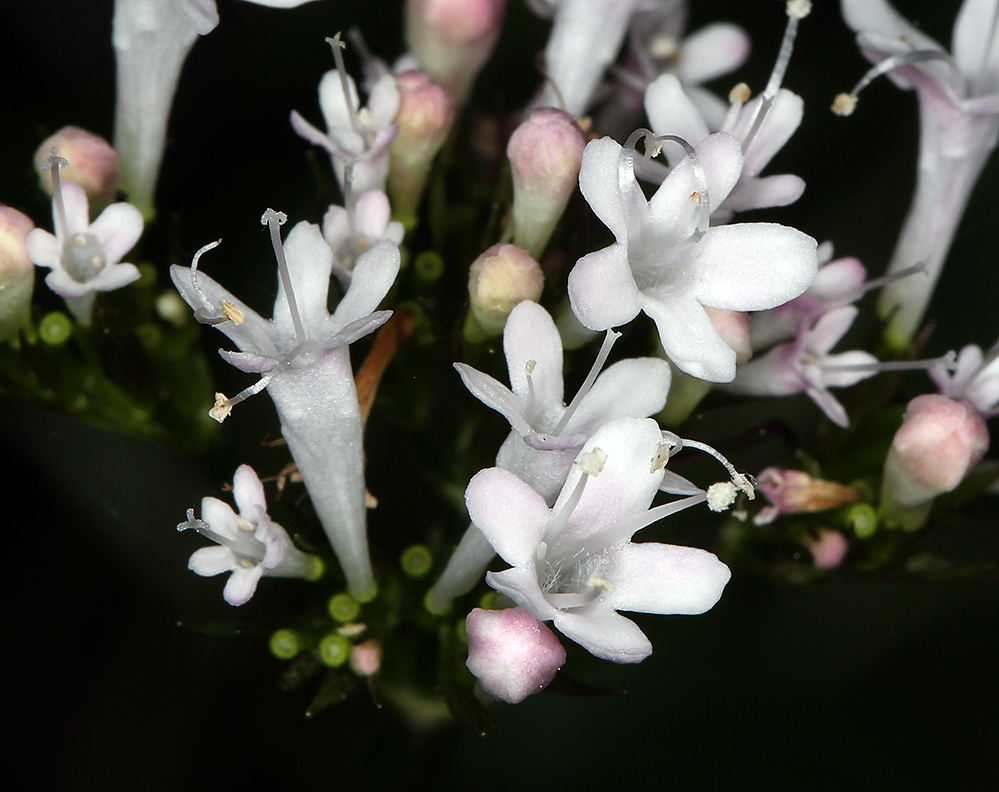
860 681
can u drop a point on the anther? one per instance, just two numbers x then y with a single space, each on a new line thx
845 103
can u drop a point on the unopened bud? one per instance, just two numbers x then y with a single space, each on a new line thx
511 653
545 153
452 39
829 549
366 658
795 492
939 442
426 112
17 273
93 164
498 280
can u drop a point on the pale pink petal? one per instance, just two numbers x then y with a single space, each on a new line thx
670 112
372 214
830 328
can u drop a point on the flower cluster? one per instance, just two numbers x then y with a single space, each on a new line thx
458 235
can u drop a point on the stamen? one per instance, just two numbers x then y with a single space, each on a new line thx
845 103
595 369
207 314
52 164
742 482
877 283
338 45
244 550
796 11
948 362
562 518
273 220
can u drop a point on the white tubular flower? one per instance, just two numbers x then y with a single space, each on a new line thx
304 359
974 379
84 257
668 262
250 544
351 230
575 564
151 41
958 96
545 434
356 137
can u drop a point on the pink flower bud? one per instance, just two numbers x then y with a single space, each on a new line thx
93 164
511 653
366 658
452 39
795 492
733 327
829 549
939 442
17 273
426 112
498 280
545 154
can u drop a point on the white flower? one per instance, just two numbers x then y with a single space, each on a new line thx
352 230
975 379
356 136
545 434
575 564
250 544
959 125
806 365
669 264
151 41
84 257
303 355
672 112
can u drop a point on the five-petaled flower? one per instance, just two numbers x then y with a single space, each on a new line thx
250 544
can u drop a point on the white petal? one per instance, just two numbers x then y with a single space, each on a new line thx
605 634
753 266
74 201
520 584
209 561
713 51
255 334
383 102
610 188
43 248
689 338
780 123
670 112
371 214
512 516
975 44
242 584
635 388
531 335
602 290
496 396
878 16
114 277
310 262
333 102
117 230
754 193
248 492
830 328
202 14
844 379
624 487
374 274
661 578
62 284
220 516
